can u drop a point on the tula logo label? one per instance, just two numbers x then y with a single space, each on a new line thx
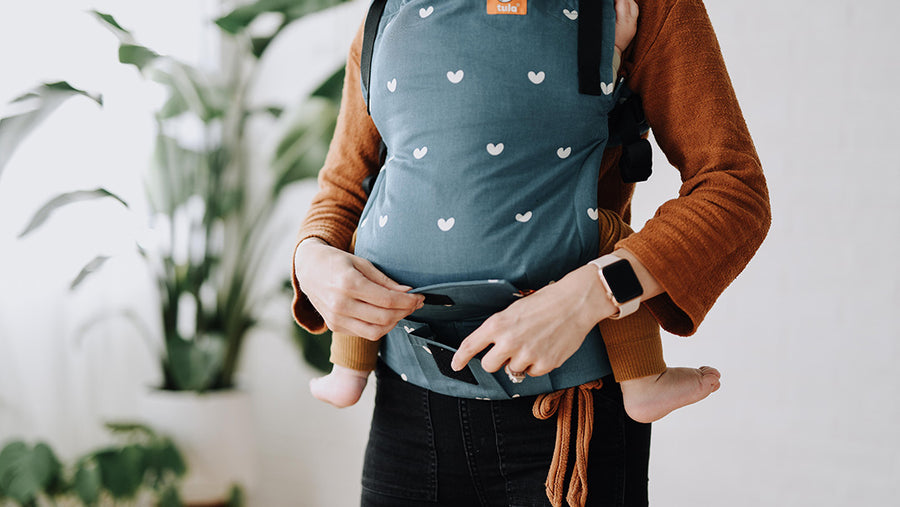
517 7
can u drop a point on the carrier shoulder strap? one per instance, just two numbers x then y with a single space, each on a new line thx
373 19
590 45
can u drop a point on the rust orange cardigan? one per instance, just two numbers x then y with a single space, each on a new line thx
695 245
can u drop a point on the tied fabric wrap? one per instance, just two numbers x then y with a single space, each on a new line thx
562 403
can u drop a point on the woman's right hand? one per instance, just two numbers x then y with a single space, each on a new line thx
351 294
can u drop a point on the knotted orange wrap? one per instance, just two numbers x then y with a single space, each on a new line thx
561 403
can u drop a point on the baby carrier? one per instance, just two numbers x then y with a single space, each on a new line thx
418 62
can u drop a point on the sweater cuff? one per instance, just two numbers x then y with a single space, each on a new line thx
633 345
354 352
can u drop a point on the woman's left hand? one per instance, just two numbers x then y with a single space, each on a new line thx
539 332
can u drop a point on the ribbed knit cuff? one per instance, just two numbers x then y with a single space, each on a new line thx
354 352
634 345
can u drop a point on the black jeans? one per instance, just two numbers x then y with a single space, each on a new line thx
427 449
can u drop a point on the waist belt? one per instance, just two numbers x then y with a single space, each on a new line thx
420 347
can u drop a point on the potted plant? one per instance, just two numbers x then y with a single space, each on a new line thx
208 233
143 467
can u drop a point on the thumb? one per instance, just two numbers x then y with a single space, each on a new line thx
374 274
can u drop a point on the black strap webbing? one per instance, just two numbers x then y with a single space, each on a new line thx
590 45
373 19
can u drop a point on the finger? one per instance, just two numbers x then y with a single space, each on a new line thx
364 289
369 313
356 327
518 365
469 348
537 370
375 275
495 359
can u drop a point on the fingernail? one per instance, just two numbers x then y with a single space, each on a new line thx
454 367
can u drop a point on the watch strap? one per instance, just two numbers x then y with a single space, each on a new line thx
625 308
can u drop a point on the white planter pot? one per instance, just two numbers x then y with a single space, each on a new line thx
215 435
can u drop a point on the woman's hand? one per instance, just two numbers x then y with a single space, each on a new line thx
539 332
350 293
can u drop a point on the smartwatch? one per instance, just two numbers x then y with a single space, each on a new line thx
621 284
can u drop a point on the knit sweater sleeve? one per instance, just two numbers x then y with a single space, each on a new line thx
353 154
696 244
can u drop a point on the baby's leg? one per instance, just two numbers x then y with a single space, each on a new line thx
342 387
353 359
650 398
650 390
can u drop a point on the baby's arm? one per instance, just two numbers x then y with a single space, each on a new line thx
626 27
626 23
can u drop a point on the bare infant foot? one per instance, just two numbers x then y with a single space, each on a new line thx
342 387
648 399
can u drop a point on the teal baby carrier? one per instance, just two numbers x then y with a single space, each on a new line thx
494 127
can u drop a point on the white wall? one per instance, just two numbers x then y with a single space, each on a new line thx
806 338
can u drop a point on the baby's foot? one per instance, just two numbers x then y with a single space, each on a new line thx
342 387
648 399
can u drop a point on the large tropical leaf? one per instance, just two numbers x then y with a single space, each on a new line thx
194 364
175 175
66 199
129 51
25 471
122 470
240 18
87 482
302 150
191 90
33 108
332 87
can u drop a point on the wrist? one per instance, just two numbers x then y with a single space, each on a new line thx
598 305
620 283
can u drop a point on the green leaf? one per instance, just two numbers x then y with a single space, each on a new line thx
203 95
88 482
174 106
195 364
36 106
236 496
139 56
240 18
66 199
176 173
301 152
110 22
333 87
169 497
316 349
47 467
171 459
25 472
131 429
91 267
122 470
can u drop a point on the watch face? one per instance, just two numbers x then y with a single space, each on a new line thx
622 281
